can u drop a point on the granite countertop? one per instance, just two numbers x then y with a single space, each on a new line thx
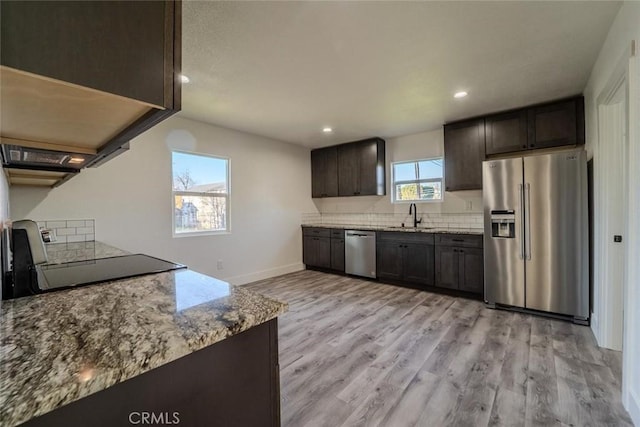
58 347
437 230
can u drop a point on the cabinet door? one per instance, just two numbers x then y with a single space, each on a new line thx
348 170
317 251
553 125
113 46
471 270
506 132
389 260
447 270
308 251
418 263
371 166
324 172
464 153
337 254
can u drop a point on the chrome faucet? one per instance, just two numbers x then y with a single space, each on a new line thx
414 210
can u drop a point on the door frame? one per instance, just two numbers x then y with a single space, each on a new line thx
631 343
606 320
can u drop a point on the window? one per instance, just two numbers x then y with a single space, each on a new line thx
417 180
200 193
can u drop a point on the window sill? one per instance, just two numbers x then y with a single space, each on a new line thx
200 233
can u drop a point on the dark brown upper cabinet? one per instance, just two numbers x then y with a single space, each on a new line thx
87 76
360 169
467 143
463 155
556 124
324 172
506 132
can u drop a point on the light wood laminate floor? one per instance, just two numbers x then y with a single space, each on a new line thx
360 353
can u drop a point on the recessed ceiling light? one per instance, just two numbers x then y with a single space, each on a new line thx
184 79
460 94
327 129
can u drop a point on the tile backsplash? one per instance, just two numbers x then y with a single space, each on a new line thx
435 220
70 230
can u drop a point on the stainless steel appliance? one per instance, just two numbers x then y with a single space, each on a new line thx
536 233
360 253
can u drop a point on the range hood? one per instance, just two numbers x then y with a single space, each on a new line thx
36 166
14 156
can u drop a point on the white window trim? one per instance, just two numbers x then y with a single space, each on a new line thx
417 181
196 193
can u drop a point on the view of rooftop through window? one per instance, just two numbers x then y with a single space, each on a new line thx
200 193
417 180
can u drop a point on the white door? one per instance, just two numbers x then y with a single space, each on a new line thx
631 346
610 208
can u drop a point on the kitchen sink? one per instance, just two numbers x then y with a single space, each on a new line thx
399 227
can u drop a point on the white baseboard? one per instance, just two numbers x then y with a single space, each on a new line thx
243 279
595 327
633 407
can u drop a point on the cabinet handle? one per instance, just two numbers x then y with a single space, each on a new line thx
524 146
532 145
461 251
458 240
455 250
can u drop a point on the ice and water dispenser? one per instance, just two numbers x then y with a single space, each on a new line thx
503 224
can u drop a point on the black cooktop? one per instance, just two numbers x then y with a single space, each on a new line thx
58 276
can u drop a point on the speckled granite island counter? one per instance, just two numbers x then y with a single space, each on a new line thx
95 354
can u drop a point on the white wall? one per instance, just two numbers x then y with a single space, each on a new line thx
625 28
422 145
130 199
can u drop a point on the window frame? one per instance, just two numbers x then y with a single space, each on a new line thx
226 195
393 182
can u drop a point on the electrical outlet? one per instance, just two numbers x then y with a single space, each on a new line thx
220 267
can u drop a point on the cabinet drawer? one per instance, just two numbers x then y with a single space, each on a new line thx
406 236
316 231
464 240
337 233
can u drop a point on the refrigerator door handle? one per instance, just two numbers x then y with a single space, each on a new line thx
527 229
521 225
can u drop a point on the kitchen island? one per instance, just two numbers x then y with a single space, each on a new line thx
178 345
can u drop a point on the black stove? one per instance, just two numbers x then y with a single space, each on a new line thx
52 277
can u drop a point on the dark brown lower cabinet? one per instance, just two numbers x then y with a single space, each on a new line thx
405 257
389 259
211 386
317 251
447 272
323 248
417 262
471 270
460 268
337 253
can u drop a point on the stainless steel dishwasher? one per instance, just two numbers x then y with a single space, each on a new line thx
360 253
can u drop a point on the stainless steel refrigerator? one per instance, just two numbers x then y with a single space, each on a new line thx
536 233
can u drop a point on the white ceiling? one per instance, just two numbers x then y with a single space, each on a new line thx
286 69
